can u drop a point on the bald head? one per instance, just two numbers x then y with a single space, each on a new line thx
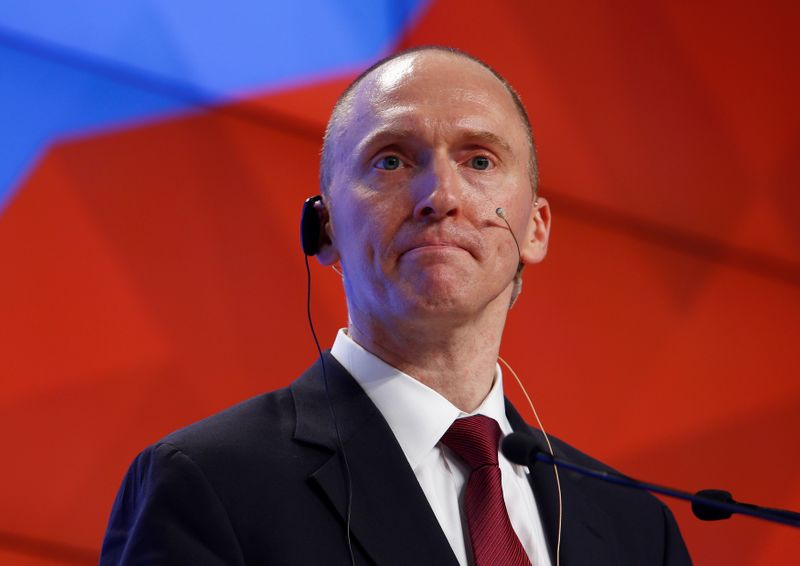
375 85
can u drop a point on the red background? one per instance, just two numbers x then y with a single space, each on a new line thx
152 275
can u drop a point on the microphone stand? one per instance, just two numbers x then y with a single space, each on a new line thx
708 505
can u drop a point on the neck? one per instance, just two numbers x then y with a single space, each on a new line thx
456 360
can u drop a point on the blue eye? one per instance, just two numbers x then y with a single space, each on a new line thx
389 163
480 162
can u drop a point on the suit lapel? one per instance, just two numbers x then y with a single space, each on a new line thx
391 517
585 537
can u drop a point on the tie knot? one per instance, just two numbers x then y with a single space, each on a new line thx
475 440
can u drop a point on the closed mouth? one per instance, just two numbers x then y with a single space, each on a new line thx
436 246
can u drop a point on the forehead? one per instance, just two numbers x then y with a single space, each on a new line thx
434 90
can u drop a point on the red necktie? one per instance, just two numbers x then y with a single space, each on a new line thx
494 542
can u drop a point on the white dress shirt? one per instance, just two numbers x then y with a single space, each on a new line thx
418 417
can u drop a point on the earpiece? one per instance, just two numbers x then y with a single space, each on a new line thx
311 227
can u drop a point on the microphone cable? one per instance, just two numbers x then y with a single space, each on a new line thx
345 464
501 213
550 448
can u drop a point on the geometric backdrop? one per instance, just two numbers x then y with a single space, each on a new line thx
153 160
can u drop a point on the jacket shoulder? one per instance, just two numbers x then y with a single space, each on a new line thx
265 418
645 528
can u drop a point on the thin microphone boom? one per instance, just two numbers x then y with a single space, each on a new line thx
523 449
502 214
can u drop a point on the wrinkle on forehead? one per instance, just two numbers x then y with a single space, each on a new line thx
466 113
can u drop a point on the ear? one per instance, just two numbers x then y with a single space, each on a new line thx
534 246
328 253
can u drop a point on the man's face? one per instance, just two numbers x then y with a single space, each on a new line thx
430 148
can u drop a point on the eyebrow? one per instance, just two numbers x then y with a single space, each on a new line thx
384 136
483 137
388 135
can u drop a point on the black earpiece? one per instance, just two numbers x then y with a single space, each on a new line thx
311 227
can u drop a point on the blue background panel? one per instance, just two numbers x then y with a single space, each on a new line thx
75 66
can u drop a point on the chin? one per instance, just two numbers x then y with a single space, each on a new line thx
452 298
442 291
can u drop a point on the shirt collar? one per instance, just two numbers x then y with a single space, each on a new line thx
417 415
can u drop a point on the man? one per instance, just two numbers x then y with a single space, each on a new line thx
370 456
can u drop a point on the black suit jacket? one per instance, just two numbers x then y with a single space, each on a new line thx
263 483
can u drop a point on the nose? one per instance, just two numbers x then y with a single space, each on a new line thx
439 191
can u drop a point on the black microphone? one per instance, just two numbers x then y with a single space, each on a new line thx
706 513
708 505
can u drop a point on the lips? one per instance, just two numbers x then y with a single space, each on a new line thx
440 242
434 246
